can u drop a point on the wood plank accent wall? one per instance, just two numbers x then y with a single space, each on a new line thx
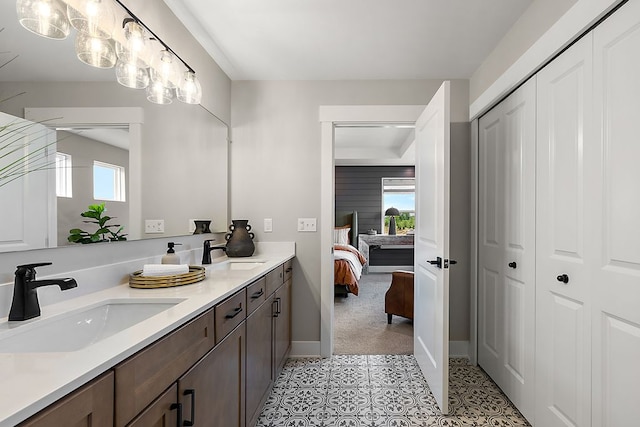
359 188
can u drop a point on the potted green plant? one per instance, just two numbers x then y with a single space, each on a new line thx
104 233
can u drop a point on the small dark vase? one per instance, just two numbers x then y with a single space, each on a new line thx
202 226
240 240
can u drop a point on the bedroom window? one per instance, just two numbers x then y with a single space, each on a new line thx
399 193
108 182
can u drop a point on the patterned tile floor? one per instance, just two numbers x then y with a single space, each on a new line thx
382 390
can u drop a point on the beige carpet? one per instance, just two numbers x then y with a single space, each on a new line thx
360 323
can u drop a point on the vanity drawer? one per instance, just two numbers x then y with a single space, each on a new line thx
143 377
288 270
256 294
230 313
275 278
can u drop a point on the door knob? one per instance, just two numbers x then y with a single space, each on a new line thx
563 278
437 262
513 264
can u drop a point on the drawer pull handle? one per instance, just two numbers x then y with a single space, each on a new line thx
279 308
177 406
257 294
234 313
288 270
274 311
192 421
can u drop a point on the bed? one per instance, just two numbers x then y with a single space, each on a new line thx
348 261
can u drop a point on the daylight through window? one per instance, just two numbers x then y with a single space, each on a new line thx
108 182
399 193
63 175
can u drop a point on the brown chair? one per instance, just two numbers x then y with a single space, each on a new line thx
399 298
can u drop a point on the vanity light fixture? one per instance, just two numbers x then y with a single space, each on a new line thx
46 18
96 18
136 65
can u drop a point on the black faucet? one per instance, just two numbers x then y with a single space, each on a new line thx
25 298
206 251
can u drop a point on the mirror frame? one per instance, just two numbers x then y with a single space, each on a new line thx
133 117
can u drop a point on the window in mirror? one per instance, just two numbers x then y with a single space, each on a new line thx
399 193
108 182
63 175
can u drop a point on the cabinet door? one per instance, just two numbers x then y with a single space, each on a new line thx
506 278
564 224
164 412
90 406
616 201
212 393
259 359
282 326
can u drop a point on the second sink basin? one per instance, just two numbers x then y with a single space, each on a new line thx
82 327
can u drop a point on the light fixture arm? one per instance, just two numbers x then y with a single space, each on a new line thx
155 36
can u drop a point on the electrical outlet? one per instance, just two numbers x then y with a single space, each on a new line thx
268 225
152 226
307 224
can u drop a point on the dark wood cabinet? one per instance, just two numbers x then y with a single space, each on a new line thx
259 359
143 377
89 406
212 393
163 412
282 327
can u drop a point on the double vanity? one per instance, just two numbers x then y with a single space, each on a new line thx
206 352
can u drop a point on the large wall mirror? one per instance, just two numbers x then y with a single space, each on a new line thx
174 158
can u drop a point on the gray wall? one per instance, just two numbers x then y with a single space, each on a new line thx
359 188
275 172
84 151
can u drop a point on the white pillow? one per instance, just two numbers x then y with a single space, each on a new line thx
341 236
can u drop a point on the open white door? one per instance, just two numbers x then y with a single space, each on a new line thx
431 300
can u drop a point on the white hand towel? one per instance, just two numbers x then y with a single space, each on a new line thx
164 269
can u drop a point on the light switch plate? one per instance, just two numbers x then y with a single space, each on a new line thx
268 225
307 224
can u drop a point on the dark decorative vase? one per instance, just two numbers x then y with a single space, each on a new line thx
202 226
240 240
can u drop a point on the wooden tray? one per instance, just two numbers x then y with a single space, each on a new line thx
195 274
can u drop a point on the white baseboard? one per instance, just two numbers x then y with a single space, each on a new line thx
305 349
459 349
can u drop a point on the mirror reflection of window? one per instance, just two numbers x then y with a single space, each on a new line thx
399 193
108 182
64 187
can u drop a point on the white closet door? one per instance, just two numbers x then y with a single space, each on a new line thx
616 201
564 224
507 246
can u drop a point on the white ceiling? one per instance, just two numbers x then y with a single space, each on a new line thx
348 39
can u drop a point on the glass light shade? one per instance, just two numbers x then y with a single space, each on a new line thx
159 93
46 18
131 76
95 18
189 89
94 51
165 68
134 49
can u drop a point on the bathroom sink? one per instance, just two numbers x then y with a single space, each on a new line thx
80 328
237 265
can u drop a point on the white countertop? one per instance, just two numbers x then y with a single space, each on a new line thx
33 381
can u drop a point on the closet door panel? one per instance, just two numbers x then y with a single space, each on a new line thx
507 246
616 285
490 254
564 222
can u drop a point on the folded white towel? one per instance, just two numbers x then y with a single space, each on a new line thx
164 269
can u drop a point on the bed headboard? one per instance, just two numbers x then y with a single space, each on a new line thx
349 218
